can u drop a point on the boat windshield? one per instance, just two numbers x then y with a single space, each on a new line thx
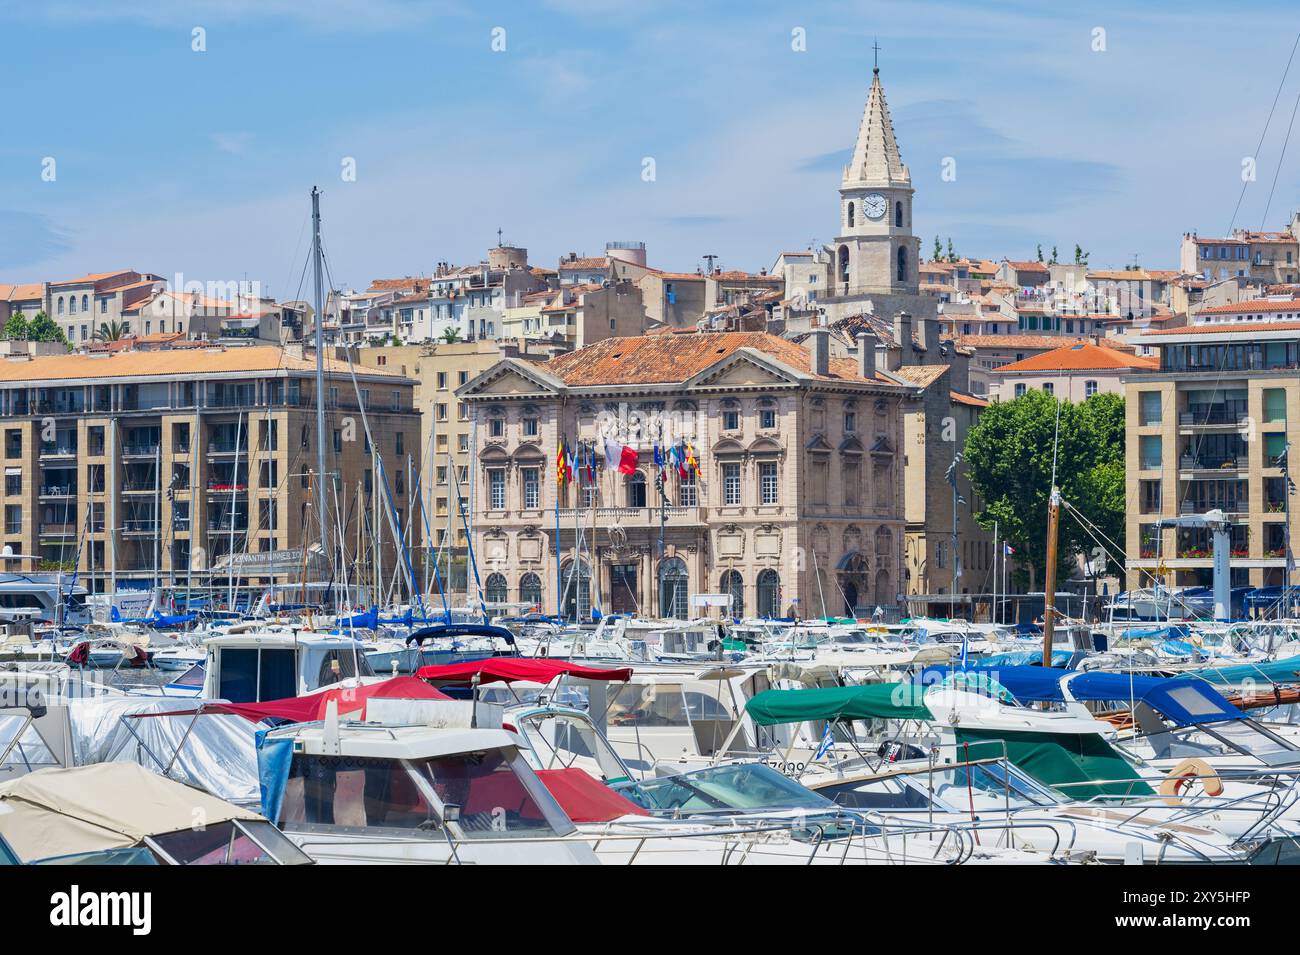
488 787
743 787
561 741
242 842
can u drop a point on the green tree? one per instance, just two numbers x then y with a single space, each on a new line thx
1080 256
952 256
1040 252
451 335
17 328
1052 260
938 250
1009 462
42 328
110 332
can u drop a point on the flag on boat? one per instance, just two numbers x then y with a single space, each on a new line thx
828 741
1007 550
965 651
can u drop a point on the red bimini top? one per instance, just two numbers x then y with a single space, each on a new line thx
510 669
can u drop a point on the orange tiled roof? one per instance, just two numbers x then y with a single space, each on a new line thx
923 375
655 359
1245 327
22 292
1258 305
588 262
92 277
125 363
1045 342
975 401
1081 356
1027 266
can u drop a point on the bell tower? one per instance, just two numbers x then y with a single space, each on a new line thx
875 251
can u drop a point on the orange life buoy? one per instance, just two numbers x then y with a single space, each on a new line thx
1185 772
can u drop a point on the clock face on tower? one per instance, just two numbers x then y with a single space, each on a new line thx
874 205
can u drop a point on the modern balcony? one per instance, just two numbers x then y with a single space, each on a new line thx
1213 462
62 450
139 525
227 447
58 529
1212 417
59 491
139 450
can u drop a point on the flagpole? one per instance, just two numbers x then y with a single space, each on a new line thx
994 616
559 586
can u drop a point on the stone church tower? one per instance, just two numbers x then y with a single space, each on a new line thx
874 258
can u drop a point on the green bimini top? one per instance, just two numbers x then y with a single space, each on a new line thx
884 701
1078 765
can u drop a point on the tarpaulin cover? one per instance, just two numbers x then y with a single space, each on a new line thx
213 753
510 669
886 701
351 701
1078 765
460 631
1183 700
585 798
274 758
1286 670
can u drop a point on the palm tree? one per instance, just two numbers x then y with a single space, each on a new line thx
110 332
451 335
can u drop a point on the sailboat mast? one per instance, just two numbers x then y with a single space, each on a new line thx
1049 582
320 371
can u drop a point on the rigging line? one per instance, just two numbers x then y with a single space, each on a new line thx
1281 158
1264 131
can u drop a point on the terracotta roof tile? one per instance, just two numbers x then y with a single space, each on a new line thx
1081 356
1045 342
1257 305
655 359
1249 328
923 375
974 401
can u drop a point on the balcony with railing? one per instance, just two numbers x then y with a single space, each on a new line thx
1207 461
58 529
58 490
1212 416
65 448
140 449
139 525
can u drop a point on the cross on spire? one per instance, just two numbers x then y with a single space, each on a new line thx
875 57
498 237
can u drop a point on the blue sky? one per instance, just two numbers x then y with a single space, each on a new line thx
200 163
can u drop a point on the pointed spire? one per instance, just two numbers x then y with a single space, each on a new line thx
876 161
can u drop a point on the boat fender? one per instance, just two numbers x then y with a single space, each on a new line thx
1186 771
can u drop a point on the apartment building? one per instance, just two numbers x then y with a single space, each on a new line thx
436 370
1073 372
1267 258
797 509
1210 429
133 466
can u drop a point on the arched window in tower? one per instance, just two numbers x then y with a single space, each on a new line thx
902 264
850 215
898 214
844 267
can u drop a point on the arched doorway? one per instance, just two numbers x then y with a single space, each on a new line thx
850 598
575 590
530 590
769 593
674 589
495 589
734 584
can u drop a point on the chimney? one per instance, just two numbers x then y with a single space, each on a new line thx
903 336
820 347
866 355
930 338
509 349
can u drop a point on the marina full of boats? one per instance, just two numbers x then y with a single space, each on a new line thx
386 737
